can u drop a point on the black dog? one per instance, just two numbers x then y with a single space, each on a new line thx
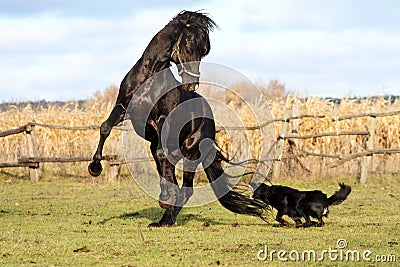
299 204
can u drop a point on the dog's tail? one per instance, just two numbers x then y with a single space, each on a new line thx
339 195
229 198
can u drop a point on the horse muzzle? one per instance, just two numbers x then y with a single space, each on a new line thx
190 80
190 87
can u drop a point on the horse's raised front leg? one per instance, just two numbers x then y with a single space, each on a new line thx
116 116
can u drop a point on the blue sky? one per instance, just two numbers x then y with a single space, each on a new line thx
63 50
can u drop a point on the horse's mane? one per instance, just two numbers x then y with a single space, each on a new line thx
197 18
198 23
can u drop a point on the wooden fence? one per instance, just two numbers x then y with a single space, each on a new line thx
291 118
32 160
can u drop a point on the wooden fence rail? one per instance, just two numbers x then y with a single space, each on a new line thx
370 150
32 160
15 131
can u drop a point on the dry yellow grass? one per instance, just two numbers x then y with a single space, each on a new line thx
64 143
387 134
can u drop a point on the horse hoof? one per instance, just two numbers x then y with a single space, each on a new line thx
166 201
153 225
95 169
158 225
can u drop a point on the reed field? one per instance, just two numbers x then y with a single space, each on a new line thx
66 143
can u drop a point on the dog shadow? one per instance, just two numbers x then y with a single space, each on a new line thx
154 214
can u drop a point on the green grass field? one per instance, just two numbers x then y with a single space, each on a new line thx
61 222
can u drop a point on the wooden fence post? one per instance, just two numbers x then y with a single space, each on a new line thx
277 165
114 168
295 123
367 161
34 171
293 161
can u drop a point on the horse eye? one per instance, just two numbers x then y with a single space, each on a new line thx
188 45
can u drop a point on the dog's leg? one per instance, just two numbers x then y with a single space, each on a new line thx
281 221
298 222
308 222
320 222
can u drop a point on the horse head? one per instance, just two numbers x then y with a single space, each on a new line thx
192 44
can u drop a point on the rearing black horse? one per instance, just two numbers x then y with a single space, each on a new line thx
183 41
180 125
177 121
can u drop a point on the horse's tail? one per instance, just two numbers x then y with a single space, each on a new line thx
228 198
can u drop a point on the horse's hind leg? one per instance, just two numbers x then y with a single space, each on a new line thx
166 171
169 190
186 191
171 213
184 194
190 164
116 116
168 184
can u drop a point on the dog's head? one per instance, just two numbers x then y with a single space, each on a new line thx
261 192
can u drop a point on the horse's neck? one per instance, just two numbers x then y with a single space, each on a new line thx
144 68
153 63
155 58
157 54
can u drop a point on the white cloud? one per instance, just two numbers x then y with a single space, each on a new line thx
50 53
309 51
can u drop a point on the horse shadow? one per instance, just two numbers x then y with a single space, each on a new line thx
154 214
